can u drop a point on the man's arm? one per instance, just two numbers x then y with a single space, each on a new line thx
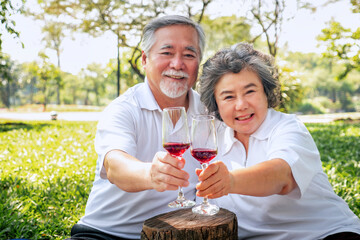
131 175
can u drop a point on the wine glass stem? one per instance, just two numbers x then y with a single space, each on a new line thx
180 194
204 166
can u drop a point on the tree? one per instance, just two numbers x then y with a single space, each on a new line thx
292 90
342 45
54 30
54 36
125 19
225 31
270 21
6 77
47 72
7 8
269 16
30 75
94 76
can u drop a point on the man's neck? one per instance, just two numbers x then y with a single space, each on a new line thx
182 101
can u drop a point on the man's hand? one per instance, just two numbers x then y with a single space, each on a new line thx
166 172
215 181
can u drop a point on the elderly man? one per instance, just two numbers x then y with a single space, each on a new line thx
133 171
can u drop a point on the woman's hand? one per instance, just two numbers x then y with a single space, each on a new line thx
215 181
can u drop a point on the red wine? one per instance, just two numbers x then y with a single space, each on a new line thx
203 155
176 149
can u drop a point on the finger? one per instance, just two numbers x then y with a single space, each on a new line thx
163 182
161 187
219 191
172 171
214 191
168 179
166 164
217 195
198 171
177 162
208 172
210 181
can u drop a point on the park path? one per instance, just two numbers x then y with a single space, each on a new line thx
69 116
95 116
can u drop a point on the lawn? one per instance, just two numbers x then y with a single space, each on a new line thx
46 174
47 168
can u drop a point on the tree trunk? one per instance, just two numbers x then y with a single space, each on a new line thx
184 224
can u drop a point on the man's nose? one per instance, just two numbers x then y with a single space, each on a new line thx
177 62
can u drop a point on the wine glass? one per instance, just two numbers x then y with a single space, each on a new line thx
204 149
175 139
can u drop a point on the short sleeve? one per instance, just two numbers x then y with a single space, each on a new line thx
116 130
293 143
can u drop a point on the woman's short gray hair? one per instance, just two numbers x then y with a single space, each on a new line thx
233 60
149 31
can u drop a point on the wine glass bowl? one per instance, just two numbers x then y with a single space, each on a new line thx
175 140
176 149
204 148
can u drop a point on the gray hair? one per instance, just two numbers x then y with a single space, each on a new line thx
149 31
233 60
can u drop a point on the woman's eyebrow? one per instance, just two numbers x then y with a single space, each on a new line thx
250 85
231 91
225 92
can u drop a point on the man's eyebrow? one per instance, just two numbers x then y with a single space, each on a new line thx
191 48
166 46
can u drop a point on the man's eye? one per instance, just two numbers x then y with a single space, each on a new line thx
189 55
165 53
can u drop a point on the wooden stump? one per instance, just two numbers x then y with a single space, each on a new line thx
184 224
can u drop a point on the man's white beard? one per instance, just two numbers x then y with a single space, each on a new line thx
174 88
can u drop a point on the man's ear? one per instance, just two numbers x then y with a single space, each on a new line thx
143 59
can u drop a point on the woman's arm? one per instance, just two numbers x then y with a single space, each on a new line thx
263 179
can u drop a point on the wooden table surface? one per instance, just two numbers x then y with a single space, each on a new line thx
184 224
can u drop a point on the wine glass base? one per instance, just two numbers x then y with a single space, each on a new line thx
181 203
206 209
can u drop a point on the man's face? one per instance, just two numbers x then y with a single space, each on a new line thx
173 61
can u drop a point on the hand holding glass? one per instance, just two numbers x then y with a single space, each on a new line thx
175 139
204 149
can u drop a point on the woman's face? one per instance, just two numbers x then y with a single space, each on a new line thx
242 102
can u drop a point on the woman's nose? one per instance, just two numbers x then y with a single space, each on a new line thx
241 104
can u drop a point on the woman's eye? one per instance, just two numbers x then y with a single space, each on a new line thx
227 97
250 91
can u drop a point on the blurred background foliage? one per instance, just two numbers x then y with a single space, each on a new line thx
311 83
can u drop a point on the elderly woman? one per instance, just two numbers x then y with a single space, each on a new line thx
270 174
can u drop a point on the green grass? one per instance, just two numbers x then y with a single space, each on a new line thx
47 168
339 146
46 174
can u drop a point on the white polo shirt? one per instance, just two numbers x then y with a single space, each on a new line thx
133 123
312 211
